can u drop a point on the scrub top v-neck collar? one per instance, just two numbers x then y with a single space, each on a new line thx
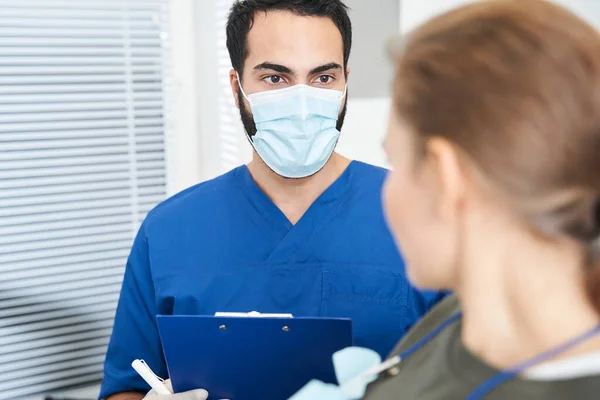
317 215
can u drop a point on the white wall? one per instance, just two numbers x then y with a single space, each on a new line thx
366 121
586 9
364 130
365 126
373 22
414 12
183 138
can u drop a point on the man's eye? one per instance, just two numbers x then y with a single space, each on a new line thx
274 79
324 79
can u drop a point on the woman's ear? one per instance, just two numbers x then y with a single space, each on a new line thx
447 176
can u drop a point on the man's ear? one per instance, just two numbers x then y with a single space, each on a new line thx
448 179
235 85
347 73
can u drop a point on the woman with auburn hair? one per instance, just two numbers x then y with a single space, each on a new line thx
494 138
495 194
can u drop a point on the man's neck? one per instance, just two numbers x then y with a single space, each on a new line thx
527 303
294 196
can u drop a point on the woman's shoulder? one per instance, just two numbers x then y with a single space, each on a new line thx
437 315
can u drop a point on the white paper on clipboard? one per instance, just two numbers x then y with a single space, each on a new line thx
254 314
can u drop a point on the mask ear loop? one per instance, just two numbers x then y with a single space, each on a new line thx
240 86
246 97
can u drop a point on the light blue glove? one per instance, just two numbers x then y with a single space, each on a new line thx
317 390
349 364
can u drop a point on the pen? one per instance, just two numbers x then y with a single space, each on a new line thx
156 383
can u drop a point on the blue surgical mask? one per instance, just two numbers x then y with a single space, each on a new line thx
295 128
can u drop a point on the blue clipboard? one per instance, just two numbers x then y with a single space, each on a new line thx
249 358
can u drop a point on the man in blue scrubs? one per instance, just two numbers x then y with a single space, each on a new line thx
298 230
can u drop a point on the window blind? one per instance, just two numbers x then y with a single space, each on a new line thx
82 161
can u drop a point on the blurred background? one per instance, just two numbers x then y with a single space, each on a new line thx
106 108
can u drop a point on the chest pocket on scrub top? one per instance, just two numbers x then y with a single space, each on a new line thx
280 288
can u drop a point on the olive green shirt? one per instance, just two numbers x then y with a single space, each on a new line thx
445 369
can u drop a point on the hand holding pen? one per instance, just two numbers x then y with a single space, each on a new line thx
161 389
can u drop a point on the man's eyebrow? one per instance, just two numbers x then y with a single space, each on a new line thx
325 67
282 69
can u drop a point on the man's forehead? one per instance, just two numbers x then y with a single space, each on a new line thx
284 38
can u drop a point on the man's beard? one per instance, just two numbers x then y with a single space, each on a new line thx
250 126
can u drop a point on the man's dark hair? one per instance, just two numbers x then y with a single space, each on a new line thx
241 19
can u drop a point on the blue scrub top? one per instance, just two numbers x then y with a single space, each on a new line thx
223 245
